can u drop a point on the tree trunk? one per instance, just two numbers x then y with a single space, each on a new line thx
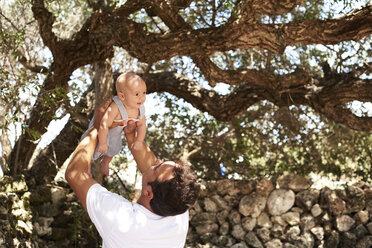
51 158
55 154
41 115
103 81
103 85
6 148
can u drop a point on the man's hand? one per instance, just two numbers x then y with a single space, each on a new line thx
144 156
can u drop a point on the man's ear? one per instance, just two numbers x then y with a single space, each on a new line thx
148 192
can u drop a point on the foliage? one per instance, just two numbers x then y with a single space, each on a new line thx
263 140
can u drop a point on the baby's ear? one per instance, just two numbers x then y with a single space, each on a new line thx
120 94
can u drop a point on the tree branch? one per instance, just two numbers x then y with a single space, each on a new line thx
31 66
45 20
321 97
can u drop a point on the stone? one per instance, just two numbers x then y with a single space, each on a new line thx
307 198
203 218
224 241
240 245
293 233
210 206
26 227
252 240
369 227
3 211
40 195
307 222
360 231
42 226
306 240
234 217
232 200
277 231
249 223
278 220
316 210
245 187
330 199
47 209
58 195
362 217
348 239
292 218
206 228
294 182
275 243
21 214
252 205
368 199
355 200
333 240
264 234
365 242
221 216
220 202
60 233
280 201
238 232
264 187
318 232
226 186
206 238
289 245
196 207
264 221
16 184
297 209
224 228
344 223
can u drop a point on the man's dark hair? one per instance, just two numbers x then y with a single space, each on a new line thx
175 196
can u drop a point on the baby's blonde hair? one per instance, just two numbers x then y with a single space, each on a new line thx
123 79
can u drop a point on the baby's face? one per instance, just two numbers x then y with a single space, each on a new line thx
135 93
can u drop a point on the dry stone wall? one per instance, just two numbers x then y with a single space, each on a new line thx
285 213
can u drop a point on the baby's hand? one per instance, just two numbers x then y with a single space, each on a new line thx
102 148
137 145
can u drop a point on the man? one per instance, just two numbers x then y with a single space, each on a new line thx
159 218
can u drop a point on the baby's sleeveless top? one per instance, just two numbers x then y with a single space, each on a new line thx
114 138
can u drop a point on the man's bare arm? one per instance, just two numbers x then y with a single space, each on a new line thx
144 156
77 174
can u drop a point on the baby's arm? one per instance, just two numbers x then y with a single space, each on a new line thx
141 133
106 122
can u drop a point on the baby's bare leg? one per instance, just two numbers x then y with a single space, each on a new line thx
105 165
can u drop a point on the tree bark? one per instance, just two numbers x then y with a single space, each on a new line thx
42 113
55 154
51 158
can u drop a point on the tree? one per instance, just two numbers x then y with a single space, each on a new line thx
271 51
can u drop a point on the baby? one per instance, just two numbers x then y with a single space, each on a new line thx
127 105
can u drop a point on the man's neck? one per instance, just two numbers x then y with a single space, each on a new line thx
144 202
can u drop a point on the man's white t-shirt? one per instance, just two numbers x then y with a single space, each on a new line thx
124 224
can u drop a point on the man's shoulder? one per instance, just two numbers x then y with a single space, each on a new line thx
97 193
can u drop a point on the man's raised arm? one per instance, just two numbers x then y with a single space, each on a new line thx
77 170
144 156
